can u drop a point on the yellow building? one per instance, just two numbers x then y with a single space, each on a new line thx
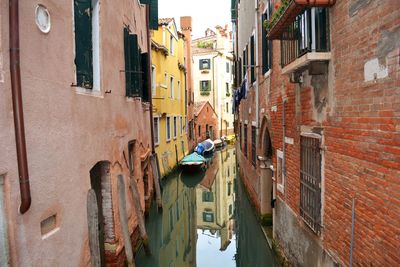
169 94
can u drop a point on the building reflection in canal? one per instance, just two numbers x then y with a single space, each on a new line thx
197 225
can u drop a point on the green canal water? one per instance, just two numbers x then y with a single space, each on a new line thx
206 221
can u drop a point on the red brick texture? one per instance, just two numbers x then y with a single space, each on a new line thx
361 134
204 115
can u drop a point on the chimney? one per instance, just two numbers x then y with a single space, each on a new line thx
186 24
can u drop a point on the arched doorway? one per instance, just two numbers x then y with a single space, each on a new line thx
266 183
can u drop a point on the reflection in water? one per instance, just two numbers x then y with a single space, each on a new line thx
197 225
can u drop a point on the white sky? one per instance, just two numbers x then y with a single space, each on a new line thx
205 13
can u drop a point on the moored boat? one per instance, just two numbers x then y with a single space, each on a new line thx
193 162
230 139
218 143
205 148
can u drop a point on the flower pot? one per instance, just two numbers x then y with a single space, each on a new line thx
315 3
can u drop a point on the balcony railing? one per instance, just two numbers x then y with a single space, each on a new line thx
308 33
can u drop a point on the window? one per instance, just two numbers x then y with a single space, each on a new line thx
227 89
205 87
87 44
171 44
179 89
252 61
156 129
153 80
171 86
181 124
240 134
168 128
253 145
245 140
227 107
136 67
171 219
245 61
266 44
177 209
204 64
208 196
310 182
230 209
229 188
280 178
199 130
227 67
175 127
208 216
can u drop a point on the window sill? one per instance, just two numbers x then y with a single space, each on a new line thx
88 92
305 60
280 188
268 73
132 99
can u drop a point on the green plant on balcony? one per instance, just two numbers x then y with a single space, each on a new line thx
279 10
205 45
228 94
204 93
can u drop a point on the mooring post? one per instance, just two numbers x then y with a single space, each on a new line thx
93 221
156 176
139 215
123 217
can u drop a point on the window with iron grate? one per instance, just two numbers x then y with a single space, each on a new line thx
310 182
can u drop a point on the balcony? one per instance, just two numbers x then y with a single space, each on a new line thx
286 12
306 40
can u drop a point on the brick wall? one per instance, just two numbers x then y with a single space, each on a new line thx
205 117
357 107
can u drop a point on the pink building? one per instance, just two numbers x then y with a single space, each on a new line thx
84 86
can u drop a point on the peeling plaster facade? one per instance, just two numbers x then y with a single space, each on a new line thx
352 105
69 130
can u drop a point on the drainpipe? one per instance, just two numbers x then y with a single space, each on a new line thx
19 126
284 135
149 85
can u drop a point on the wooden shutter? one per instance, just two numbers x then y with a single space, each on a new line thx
83 43
127 55
145 76
135 65
252 57
153 23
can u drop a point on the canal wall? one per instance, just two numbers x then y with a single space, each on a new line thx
296 239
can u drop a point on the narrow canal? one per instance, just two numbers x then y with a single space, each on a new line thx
207 221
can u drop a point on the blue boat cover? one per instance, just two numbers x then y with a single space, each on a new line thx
208 144
192 158
199 149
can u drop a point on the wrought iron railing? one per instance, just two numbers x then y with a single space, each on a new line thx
308 33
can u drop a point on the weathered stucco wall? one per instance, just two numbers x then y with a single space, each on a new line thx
299 243
68 130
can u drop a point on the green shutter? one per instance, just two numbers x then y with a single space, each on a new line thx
252 56
153 14
83 43
145 73
233 10
127 52
145 2
135 65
